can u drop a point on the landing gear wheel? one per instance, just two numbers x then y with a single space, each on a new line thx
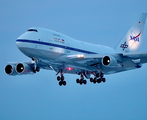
99 80
81 81
78 81
101 75
62 78
103 79
58 78
94 81
91 79
37 69
85 82
64 83
60 83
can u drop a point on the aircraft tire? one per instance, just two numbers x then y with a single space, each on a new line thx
81 81
78 81
94 81
62 78
37 69
91 79
99 80
101 75
103 79
58 78
60 83
85 82
64 83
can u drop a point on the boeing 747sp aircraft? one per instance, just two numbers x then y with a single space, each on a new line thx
52 50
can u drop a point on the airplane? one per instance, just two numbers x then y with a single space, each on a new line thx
52 50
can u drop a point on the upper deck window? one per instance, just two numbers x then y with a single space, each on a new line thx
32 30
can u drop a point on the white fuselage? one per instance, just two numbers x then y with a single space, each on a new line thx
52 48
49 45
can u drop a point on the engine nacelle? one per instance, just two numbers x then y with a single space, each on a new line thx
23 69
18 69
10 69
109 61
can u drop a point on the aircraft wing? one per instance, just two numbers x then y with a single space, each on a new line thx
97 58
141 56
81 62
87 59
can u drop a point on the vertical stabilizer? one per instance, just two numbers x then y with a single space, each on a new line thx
132 40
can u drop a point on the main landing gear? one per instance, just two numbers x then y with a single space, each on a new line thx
81 81
99 77
61 80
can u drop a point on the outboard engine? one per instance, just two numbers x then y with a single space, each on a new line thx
10 69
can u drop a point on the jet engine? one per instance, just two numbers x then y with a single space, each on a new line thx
109 61
23 68
10 69
18 69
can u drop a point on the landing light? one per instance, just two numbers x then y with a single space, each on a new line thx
80 56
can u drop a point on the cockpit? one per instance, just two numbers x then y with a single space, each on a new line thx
30 30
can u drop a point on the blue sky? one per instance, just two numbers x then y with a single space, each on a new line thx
123 96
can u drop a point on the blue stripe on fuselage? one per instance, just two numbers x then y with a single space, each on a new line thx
55 45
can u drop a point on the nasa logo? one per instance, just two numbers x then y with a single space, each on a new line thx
134 38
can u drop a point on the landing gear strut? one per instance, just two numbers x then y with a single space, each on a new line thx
61 79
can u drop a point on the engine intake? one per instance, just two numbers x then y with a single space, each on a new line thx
23 68
10 69
20 68
109 61
106 60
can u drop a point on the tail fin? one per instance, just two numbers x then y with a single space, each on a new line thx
131 41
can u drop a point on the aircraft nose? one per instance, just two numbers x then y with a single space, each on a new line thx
17 43
20 44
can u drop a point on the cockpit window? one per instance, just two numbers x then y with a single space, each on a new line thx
32 30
